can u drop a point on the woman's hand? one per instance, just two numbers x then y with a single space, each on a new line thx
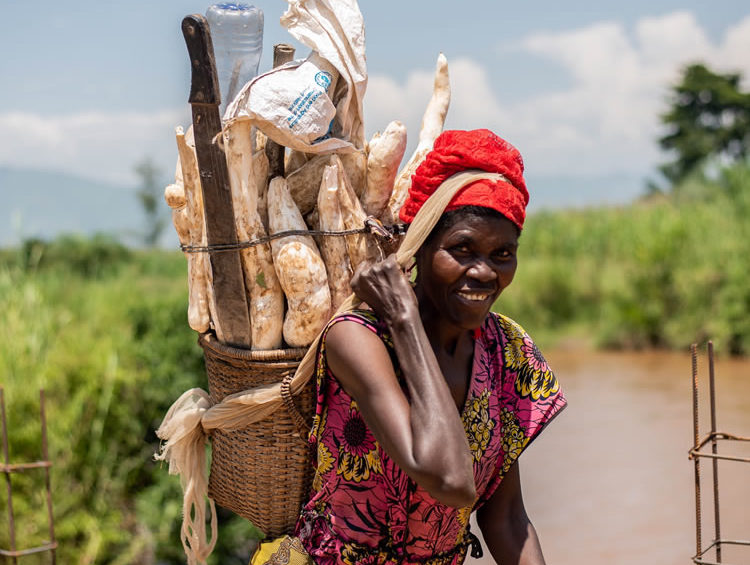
385 289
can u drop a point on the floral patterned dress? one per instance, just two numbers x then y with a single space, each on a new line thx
365 509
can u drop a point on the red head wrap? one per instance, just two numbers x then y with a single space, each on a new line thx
455 151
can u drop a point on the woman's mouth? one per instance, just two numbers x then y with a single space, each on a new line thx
475 295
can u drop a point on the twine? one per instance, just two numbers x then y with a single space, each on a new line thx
372 226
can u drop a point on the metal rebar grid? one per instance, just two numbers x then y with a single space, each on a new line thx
696 454
8 469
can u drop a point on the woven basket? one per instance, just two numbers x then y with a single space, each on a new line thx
261 472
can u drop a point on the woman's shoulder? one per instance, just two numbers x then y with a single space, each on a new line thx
509 328
356 314
361 316
360 319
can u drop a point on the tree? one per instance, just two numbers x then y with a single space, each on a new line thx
708 118
149 195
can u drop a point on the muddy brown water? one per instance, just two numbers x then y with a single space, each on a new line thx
609 481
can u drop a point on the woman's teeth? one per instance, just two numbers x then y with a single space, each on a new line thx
474 296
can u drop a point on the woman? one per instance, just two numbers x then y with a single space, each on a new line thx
425 397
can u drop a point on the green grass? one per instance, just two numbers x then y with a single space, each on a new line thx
664 272
108 341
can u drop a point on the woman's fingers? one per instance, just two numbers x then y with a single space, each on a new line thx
383 286
373 273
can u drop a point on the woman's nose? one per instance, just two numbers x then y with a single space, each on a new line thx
481 271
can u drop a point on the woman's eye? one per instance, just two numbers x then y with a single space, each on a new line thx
503 254
460 248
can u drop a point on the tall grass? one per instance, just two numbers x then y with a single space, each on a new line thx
664 272
107 338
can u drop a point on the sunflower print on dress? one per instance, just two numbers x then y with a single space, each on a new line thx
365 509
325 459
325 464
534 378
352 554
358 451
478 424
514 438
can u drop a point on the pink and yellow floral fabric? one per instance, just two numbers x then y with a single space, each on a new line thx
365 510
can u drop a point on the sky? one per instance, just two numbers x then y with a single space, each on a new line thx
93 88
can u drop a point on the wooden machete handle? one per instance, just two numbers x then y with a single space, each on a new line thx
204 84
232 321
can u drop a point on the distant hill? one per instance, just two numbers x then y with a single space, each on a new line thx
569 191
45 204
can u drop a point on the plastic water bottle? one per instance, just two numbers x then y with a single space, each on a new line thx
237 35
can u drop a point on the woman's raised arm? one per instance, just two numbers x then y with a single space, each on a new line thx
424 436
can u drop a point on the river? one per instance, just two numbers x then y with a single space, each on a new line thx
609 481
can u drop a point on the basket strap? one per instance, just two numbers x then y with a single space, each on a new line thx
303 429
424 221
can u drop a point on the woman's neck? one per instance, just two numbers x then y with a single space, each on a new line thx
445 338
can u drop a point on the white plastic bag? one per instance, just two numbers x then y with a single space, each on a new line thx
294 104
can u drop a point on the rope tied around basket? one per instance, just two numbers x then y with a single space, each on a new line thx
193 416
371 226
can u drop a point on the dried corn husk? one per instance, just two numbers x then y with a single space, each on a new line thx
260 140
385 153
300 269
304 183
353 215
264 294
333 248
355 166
294 160
260 169
174 196
192 231
312 220
432 124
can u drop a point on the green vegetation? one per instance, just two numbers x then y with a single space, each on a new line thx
103 330
664 272
708 122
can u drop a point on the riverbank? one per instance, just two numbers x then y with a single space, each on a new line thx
609 481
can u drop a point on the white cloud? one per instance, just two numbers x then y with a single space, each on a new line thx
620 86
94 144
604 120
670 39
473 101
386 100
733 53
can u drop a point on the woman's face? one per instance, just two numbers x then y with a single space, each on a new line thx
464 268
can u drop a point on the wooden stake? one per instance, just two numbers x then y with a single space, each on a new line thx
282 53
228 283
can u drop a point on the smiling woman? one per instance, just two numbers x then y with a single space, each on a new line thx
468 259
426 399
